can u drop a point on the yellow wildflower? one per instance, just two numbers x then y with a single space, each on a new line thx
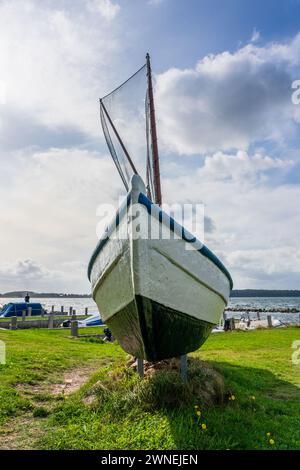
199 413
268 434
272 442
196 406
203 426
253 397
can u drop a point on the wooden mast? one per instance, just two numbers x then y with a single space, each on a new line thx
156 171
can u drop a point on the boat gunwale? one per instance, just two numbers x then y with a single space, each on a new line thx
163 218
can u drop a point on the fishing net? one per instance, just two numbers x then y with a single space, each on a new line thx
124 115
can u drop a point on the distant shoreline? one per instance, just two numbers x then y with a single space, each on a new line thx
234 293
264 293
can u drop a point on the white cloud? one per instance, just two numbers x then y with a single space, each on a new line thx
250 216
221 166
106 8
51 61
255 35
50 215
229 100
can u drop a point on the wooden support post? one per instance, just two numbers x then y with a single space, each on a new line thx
29 311
70 310
51 321
62 309
13 323
258 316
52 309
269 318
23 315
183 367
74 328
140 367
86 311
232 324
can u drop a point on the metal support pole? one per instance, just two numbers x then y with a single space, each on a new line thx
140 367
183 367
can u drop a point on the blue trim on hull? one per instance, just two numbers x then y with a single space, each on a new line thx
186 236
162 217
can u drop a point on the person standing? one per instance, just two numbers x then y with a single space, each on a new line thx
27 298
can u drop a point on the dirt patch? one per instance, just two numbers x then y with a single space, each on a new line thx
20 433
72 381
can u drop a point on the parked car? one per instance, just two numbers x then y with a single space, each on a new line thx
94 320
15 309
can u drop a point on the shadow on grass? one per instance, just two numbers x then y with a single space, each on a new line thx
258 411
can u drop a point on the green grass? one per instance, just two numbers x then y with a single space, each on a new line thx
117 410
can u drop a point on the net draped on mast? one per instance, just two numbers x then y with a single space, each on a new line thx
127 127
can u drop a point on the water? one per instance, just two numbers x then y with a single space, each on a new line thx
79 304
266 303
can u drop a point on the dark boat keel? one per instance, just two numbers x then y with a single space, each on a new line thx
152 331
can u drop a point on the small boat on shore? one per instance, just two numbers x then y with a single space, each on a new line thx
159 289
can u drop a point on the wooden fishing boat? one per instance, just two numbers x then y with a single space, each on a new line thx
159 289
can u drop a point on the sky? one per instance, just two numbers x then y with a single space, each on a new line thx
228 130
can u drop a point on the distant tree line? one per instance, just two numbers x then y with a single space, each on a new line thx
264 293
51 295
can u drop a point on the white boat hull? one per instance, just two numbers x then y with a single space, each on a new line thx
160 295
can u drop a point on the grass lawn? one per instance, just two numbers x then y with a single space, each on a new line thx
114 409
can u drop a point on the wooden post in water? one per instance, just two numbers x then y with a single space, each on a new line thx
62 309
258 316
52 309
269 318
74 328
13 323
140 367
70 310
86 311
183 367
